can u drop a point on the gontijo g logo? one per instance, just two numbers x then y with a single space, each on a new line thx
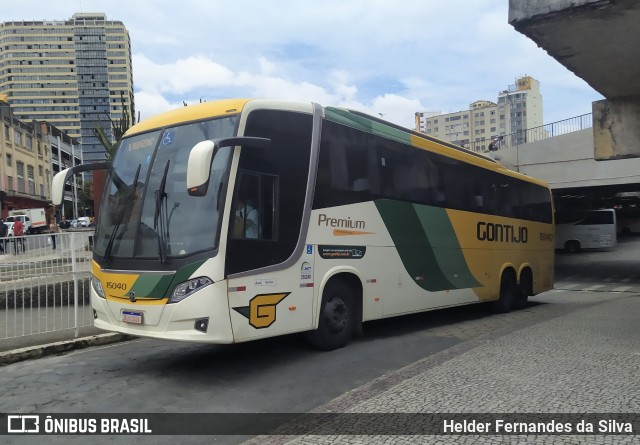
261 311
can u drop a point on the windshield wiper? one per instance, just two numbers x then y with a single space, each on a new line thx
160 228
120 215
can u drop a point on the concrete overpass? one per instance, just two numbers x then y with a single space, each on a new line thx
566 161
598 41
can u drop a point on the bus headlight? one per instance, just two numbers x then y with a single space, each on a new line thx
183 290
97 286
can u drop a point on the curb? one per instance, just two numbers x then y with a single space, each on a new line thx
61 347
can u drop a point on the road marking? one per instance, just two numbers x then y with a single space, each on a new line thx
594 287
622 289
568 286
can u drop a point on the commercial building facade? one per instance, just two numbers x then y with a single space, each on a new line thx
75 74
31 153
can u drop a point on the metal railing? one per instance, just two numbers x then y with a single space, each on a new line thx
533 134
44 287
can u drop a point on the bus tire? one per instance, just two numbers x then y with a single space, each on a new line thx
572 246
337 317
524 289
508 293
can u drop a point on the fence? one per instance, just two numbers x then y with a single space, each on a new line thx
45 287
533 134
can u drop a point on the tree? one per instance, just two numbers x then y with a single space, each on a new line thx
85 198
118 128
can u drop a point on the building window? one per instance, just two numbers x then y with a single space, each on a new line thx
10 182
17 137
40 170
20 175
9 160
6 133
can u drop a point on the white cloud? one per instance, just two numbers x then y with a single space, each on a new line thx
376 55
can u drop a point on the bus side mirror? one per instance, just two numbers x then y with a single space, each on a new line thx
61 178
202 155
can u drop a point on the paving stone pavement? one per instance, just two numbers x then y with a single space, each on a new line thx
583 359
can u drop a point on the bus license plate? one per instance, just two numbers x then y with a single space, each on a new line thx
132 317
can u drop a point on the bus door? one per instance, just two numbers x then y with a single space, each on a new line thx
268 265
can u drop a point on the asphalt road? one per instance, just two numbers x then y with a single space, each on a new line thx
273 375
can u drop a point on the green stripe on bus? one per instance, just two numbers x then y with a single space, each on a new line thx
362 123
182 275
156 286
427 245
442 237
151 285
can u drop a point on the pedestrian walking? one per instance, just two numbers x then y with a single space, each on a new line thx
54 229
18 236
4 231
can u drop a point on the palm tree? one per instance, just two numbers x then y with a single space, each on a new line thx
118 128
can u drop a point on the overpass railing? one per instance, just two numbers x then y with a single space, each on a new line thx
533 134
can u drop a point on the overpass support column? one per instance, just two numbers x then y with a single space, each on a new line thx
616 128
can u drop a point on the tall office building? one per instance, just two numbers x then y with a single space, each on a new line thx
75 74
518 109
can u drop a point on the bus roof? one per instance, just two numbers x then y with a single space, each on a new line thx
189 113
418 140
352 118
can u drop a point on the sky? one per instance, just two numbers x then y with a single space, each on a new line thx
383 57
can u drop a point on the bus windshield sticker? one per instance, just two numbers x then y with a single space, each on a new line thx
167 139
342 252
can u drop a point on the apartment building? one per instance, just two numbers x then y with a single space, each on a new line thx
517 109
75 74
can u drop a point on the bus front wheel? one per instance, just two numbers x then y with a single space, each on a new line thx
337 317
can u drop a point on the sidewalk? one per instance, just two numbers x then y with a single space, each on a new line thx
583 361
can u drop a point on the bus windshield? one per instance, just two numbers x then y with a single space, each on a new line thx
146 211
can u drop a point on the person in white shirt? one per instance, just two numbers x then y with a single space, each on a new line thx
246 224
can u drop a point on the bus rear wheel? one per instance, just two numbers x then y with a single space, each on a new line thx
572 246
337 317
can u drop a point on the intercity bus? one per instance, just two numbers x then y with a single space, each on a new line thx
352 219
591 229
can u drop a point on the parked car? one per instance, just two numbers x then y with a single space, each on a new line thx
73 223
9 228
84 221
